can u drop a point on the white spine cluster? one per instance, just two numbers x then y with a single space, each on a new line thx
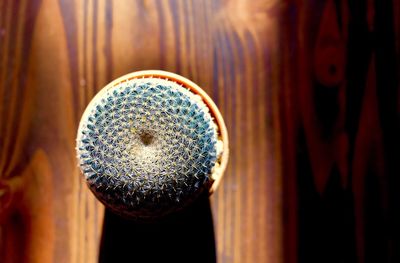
148 146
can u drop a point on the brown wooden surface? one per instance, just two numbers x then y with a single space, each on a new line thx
341 124
55 55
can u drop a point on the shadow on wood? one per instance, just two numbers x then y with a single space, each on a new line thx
186 236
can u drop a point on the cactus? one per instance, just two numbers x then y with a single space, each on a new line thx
147 147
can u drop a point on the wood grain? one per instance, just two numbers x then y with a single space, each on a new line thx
55 55
340 120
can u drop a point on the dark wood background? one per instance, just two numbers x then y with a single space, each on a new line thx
309 93
341 128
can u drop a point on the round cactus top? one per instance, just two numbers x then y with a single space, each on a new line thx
147 146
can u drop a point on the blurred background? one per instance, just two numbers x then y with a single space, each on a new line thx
310 94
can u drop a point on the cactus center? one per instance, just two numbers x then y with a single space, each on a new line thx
146 138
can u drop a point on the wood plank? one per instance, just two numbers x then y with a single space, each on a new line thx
55 55
340 112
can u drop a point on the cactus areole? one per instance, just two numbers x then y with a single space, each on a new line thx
150 142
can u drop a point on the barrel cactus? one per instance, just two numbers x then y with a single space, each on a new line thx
148 146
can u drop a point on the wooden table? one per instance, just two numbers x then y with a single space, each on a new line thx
310 94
